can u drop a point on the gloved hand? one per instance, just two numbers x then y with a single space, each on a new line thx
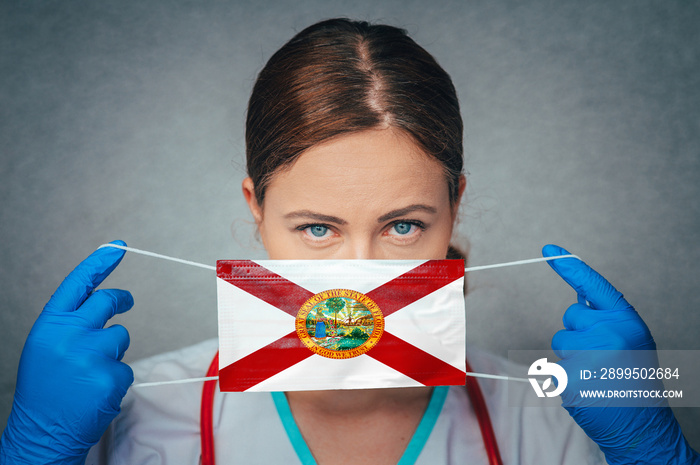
70 381
603 320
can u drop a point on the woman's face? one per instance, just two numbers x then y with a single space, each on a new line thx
367 195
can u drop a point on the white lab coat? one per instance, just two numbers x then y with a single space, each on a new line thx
160 425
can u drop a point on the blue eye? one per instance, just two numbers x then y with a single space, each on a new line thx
403 228
318 230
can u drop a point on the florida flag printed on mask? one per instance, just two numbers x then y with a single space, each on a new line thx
291 325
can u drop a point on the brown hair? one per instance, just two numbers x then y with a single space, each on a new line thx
340 76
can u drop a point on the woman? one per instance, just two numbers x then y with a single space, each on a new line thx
354 151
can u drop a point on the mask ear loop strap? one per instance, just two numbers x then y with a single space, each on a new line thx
206 417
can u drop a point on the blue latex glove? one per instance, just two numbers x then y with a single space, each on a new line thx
603 320
70 381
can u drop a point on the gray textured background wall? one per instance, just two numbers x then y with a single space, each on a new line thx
123 119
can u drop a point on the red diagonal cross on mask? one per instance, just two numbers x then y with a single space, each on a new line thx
289 297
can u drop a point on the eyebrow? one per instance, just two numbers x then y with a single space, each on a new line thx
403 211
315 216
385 217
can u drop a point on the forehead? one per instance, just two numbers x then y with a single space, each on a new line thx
368 170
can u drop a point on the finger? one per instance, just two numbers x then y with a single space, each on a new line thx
85 278
567 343
103 305
112 379
581 317
111 342
123 377
562 342
575 318
585 281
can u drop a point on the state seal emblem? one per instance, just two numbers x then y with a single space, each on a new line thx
339 323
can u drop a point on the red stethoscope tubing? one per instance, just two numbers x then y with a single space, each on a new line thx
476 398
206 416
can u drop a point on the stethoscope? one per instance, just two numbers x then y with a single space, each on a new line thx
476 398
